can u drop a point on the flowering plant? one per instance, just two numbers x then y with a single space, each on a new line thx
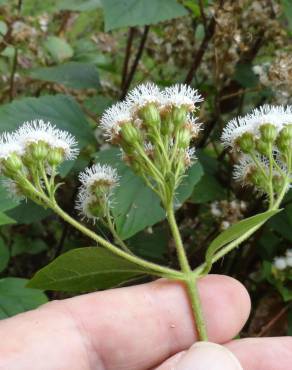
155 130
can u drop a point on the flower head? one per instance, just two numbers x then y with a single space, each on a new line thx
38 131
9 145
99 175
113 118
94 196
181 95
144 94
277 116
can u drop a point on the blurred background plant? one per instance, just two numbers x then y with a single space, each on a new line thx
66 61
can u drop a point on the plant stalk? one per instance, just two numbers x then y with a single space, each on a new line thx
190 281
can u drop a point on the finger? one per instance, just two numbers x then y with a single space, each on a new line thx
139 327
263 353
252 353
206 356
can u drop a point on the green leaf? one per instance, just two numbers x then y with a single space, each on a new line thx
126 13
28 212
79 5
5 220
282 224
245 75
16 298
287 11
60 110
27 245
85 269
207 189
72 74
136 206
59 48
4 255
235 231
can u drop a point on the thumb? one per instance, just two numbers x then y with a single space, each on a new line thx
206 356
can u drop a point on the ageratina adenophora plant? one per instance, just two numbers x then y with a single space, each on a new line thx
155 130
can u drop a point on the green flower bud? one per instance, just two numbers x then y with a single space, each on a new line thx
38 151
166 123
96 208
130 134
255 177
150 115
284 139
55 157
278 183
183 138
268 132
246 142
179 115
263 147
12 164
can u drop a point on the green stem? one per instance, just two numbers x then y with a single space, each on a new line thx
190 282
112 229
194 296
155 269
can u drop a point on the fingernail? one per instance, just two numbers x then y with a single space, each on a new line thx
208 356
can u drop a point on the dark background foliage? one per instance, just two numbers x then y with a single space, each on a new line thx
66 61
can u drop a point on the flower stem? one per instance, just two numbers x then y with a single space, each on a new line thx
112 229
190 281
148 266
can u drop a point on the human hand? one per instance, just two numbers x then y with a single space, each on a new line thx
138 328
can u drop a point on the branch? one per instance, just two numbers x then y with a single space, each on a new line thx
127 56
136 62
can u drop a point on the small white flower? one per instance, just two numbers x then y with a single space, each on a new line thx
190 156
215 210
280 263
181 95
13 189
195 126
289 253
144 94
113 118
149 148
289 261
225 225
9 145
278 116
98 173
243 168
83 204
38 130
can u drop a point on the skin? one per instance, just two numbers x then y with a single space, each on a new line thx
135 328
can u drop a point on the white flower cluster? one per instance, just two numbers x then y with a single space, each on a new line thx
278 116
97 184
283 262
37 131
264 139
149 93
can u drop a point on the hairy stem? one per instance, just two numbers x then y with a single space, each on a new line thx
190 282
153 267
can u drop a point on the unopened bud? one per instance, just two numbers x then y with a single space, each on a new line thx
284 139
268 132
278 183
12 164
130 134
183 138
55 157
179 115
263 147
150 114
246 142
